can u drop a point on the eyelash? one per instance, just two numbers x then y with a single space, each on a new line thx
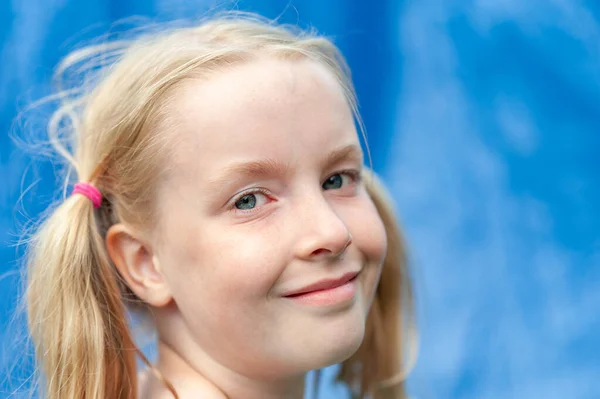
355 176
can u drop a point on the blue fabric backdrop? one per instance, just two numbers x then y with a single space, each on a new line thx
483 117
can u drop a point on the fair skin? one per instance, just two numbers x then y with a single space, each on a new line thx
224 255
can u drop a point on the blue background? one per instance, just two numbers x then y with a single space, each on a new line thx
483 117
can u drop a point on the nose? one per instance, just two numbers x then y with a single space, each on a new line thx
322 232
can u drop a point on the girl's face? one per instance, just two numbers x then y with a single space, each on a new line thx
264 199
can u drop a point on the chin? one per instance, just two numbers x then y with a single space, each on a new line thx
338 346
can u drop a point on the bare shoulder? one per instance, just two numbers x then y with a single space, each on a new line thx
143 379
149 387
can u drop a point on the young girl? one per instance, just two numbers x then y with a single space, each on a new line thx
220 191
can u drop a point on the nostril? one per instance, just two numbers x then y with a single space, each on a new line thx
349 240
325 251
320 251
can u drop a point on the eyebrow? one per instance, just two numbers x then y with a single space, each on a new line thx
270 167
350 152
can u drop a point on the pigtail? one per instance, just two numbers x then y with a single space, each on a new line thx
76 316
377 368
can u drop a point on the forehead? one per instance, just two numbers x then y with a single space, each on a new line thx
263 108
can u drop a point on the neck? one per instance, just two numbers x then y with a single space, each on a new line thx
210 380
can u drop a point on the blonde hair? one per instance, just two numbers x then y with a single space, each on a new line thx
112 108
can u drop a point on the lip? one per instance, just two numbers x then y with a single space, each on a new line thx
322 285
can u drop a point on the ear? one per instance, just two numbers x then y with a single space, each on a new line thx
137 265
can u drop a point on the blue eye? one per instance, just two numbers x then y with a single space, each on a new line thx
341 179
333 182
255 198
250 200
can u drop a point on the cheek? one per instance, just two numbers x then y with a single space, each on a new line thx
368 231
232 264
369 236
222 280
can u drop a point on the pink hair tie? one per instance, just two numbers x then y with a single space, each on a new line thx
89 191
